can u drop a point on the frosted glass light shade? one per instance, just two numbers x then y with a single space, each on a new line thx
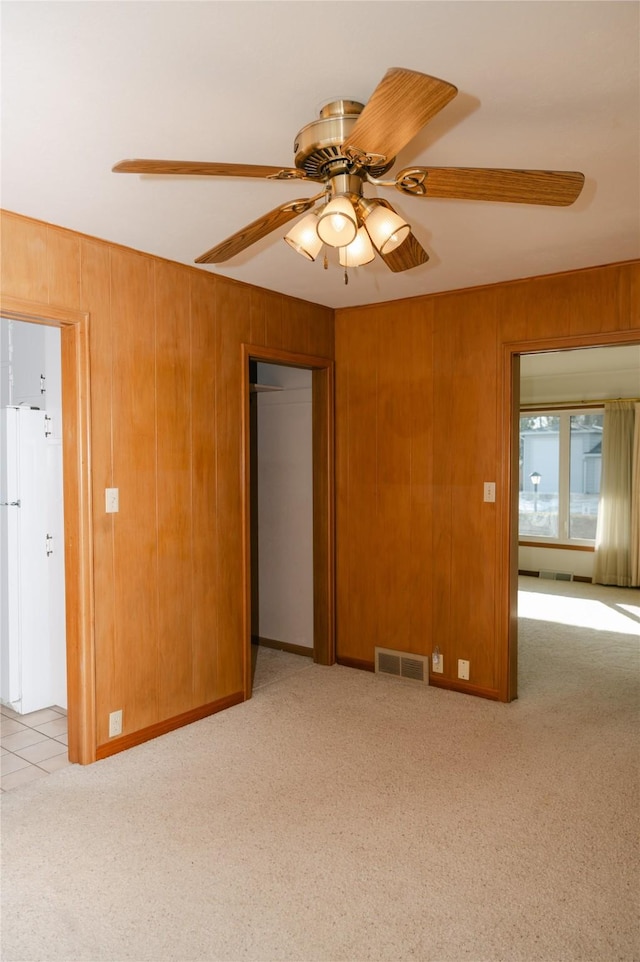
303 237
386 229
338 223
360 251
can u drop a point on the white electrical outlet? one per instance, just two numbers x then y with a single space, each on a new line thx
437 662
112 500
463 669
489 491
115 723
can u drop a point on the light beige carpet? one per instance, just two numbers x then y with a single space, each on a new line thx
340 815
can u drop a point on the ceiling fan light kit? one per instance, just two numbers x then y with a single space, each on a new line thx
359 252
304 238
351 144
385 227
338 222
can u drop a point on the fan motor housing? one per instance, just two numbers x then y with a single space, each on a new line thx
318 146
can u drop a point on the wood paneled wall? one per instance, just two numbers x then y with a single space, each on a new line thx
166 423
422 388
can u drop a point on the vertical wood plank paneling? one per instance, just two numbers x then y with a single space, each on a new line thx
463 371
321 339
205 556
473 459
134 473
23 260
444 349
258 317
548 307
63 267
96 298
306 328
344 365
294 329
569 304
358 632
174 507
629 296
233 316
595 302
323 436
393 482
420 391
513 311
632 312
416 435
273 320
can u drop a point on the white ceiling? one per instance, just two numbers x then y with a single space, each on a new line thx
551 85
595 373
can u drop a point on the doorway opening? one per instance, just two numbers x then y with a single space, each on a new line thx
288 506
572 369
31 522
78 581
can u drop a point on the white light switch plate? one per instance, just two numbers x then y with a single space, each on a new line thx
112 500
489 491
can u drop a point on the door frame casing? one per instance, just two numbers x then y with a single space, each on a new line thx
76 470
323 431
507 594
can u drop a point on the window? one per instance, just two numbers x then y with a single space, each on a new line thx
560 460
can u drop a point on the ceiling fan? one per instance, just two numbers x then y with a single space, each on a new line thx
351 145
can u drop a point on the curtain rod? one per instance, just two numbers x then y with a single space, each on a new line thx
549 406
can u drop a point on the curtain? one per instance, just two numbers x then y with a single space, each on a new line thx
612 562
635 503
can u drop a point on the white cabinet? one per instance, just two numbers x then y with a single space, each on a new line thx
32 616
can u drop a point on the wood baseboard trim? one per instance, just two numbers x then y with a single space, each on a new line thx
282 646
357 663
491 693
170 724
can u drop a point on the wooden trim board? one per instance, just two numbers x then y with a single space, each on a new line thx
511 351
323 498
76 455
358 663
282 646
168 725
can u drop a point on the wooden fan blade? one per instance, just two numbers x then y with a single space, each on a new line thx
402 103
554 188
255 231
409 254
206 169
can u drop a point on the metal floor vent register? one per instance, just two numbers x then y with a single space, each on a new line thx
402 664
556 575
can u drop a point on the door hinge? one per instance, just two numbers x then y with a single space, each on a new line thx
49 544
47 426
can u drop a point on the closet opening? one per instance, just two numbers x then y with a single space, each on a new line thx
288 506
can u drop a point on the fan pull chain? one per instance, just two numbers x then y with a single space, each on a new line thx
326 262
346 277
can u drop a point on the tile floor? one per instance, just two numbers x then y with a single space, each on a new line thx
31 745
